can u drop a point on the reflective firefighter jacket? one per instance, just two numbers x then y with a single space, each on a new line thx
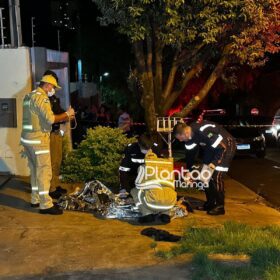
38 117
217 145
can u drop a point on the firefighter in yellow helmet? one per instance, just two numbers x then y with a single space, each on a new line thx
38 118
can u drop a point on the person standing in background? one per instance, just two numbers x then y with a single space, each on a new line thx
56 143
124 121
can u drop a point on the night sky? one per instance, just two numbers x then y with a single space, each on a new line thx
101 49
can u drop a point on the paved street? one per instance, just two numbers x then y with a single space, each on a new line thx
260 175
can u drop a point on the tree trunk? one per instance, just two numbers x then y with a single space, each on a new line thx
148 102
158 75
145 70
170 80
149 93
195 101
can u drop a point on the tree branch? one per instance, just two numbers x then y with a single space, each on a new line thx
175 94
186 54
195 101
171 77
179 59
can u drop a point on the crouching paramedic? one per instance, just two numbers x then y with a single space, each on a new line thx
134 156
38 118
155 196
218 148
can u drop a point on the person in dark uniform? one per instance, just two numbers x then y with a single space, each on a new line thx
218 148
134 156
56 143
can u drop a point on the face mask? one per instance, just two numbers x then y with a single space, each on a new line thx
51 93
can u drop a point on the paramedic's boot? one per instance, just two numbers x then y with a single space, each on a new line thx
147 219
218 210
165 219
61 190
34 205
55 194
207 206
55 210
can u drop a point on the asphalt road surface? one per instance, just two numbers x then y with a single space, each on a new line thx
260 175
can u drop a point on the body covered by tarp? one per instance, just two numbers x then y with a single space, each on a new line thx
96 198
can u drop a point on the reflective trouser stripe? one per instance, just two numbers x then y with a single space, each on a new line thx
43 192
42 152
25 141
41 174
35 188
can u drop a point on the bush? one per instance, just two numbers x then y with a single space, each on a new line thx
97 157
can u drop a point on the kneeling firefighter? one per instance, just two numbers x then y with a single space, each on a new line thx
134 156
155 196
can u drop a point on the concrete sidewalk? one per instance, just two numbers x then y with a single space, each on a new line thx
80 246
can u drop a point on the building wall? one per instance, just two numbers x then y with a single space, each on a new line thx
15 80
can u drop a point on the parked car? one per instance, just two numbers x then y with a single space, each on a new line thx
250 139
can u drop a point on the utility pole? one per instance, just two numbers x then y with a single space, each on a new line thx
15 23
32 31
2 28
58 39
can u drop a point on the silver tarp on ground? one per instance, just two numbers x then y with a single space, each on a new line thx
95 197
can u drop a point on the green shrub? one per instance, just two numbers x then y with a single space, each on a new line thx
97 157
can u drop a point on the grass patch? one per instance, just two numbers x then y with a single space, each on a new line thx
261 244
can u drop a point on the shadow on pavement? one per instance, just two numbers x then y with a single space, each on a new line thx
15 202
